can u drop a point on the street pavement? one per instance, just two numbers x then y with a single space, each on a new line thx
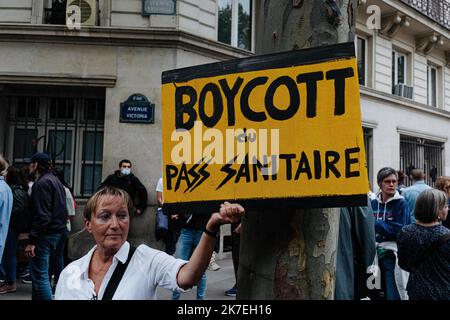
217 283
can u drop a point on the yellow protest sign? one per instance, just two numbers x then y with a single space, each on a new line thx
275 130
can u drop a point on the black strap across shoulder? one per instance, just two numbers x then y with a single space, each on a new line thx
117 276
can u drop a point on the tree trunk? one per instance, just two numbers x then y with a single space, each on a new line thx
281 27
292 254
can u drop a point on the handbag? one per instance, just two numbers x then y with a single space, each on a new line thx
161 224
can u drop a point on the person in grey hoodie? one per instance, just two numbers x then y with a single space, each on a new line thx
424 249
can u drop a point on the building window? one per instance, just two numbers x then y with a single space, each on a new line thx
61 108
91 172
29 108
23 144
235 23
70 130
55 12
361 54
432 77
94 110
59 145
423 154
398 69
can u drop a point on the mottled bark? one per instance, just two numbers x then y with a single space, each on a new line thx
292 254
280 26
288 255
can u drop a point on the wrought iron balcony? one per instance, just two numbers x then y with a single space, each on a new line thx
437 10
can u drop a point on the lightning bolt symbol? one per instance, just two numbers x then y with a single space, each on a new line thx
205 175
200 177
227 169
193 173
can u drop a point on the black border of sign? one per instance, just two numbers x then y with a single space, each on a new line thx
262 62
270 203
148 14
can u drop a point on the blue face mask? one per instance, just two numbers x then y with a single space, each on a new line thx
125 171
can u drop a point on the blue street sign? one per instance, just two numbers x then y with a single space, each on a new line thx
137 109
167 7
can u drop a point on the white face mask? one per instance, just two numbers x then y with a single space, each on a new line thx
125 171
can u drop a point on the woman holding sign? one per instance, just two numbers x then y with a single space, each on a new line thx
115 270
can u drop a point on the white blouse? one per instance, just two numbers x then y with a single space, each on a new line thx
148 268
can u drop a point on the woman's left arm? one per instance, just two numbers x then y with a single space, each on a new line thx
190 274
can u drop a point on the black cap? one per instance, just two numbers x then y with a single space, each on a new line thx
41 158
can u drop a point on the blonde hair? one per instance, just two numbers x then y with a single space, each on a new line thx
92 204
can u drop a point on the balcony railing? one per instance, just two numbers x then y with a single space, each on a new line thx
437 10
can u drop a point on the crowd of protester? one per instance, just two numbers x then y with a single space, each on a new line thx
396 247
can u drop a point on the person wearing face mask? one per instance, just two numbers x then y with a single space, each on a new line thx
125 180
